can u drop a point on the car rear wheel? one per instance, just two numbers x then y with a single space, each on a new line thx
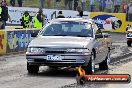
32 69
104 64
90 68
128 43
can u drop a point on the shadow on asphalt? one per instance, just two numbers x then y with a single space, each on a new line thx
55 73
63 72
58 73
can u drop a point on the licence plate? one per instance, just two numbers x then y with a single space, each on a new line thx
54 57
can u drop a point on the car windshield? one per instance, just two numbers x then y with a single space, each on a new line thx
79 29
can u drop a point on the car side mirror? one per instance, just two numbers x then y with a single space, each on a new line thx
34 34
98 36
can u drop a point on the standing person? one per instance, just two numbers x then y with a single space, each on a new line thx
66 3
26 19
102 5
60 15
92 5
49 3
12 2
38 19
79 9
124 6
42 3
117 4
129 11
4 14
75 4
109 5
19 3
70 4
58 4
83 2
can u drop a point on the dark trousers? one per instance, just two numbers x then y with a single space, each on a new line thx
92 8
116 8
75 4
3 24
12 2
70 4
66 3
19 3
130 17
101 8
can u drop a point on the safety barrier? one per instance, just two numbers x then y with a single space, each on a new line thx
15 40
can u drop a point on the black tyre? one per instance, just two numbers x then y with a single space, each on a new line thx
81 80
128 43
90 68
53 67
104 64
32 69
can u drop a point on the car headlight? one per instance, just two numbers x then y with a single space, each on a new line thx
35 50
78 50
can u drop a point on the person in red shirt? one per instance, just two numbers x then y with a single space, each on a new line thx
124 7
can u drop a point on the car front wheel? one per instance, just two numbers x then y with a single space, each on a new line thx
90 68
128 43
32 69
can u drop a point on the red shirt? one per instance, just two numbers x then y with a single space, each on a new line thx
124 8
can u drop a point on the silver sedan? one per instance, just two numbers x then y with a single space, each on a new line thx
70 42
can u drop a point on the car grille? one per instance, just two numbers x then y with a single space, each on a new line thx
39 60
59 51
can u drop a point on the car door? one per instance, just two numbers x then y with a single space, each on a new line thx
101 48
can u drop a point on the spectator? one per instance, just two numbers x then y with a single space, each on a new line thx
19 3
92 5
83 2
26 19
12 2
49 3
42 3
75 4
58 4
117 4
79 9
4 14
60 15
109 5
38 19
124 6
70 3
130 11
102 5
66 3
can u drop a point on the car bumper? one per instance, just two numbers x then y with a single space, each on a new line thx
67 59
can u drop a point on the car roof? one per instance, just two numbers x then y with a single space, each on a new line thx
72 19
